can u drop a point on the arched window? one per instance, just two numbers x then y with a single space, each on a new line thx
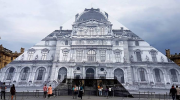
90 73
119 75
40 73
142 74
91 55
62 73
158 75
174 75
10 73
25 73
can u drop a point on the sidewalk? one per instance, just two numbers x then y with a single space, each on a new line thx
84 98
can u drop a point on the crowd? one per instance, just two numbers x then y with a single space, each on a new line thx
78 91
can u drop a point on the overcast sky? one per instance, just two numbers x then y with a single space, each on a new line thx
23 23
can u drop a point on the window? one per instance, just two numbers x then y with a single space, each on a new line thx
66 42
138 55
157 75
174 74
44 52
91 55
40 73
46 42
117 42
118 56
137 43
103 55
44 56
65 55
79 55
153 54
10 73
78 68
102 69
25 73
30 55
142 74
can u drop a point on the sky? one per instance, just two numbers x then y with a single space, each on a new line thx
23 23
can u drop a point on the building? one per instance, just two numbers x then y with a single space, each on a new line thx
175 58
6 56
93 49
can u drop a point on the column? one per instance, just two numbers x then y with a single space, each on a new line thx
84 73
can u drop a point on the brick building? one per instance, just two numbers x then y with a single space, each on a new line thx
6 56
175 57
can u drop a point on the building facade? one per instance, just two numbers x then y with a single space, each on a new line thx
175 57
93 49
6 56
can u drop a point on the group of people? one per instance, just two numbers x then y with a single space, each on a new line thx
77 91
47 90
3 91
108 91
175 92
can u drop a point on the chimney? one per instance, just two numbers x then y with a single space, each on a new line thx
122 29
168 53
60 28
22 50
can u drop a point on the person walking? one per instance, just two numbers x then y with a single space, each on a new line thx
178 93
3 89
80 92
173 92
45 90
12 91
49 91
107 89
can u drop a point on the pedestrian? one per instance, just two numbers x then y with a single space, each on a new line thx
109 92
49 91
75 92
3 89
80 92
12 91
107 89
178 93
100 91
45 90
173 92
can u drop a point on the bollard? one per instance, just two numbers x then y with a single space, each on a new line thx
159 96
164 96
27 94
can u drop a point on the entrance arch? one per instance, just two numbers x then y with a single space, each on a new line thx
119 75
62 74
90 73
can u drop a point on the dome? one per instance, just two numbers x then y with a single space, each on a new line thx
92 14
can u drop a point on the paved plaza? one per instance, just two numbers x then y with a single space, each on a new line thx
84 98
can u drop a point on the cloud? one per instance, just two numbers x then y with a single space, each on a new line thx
25 22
